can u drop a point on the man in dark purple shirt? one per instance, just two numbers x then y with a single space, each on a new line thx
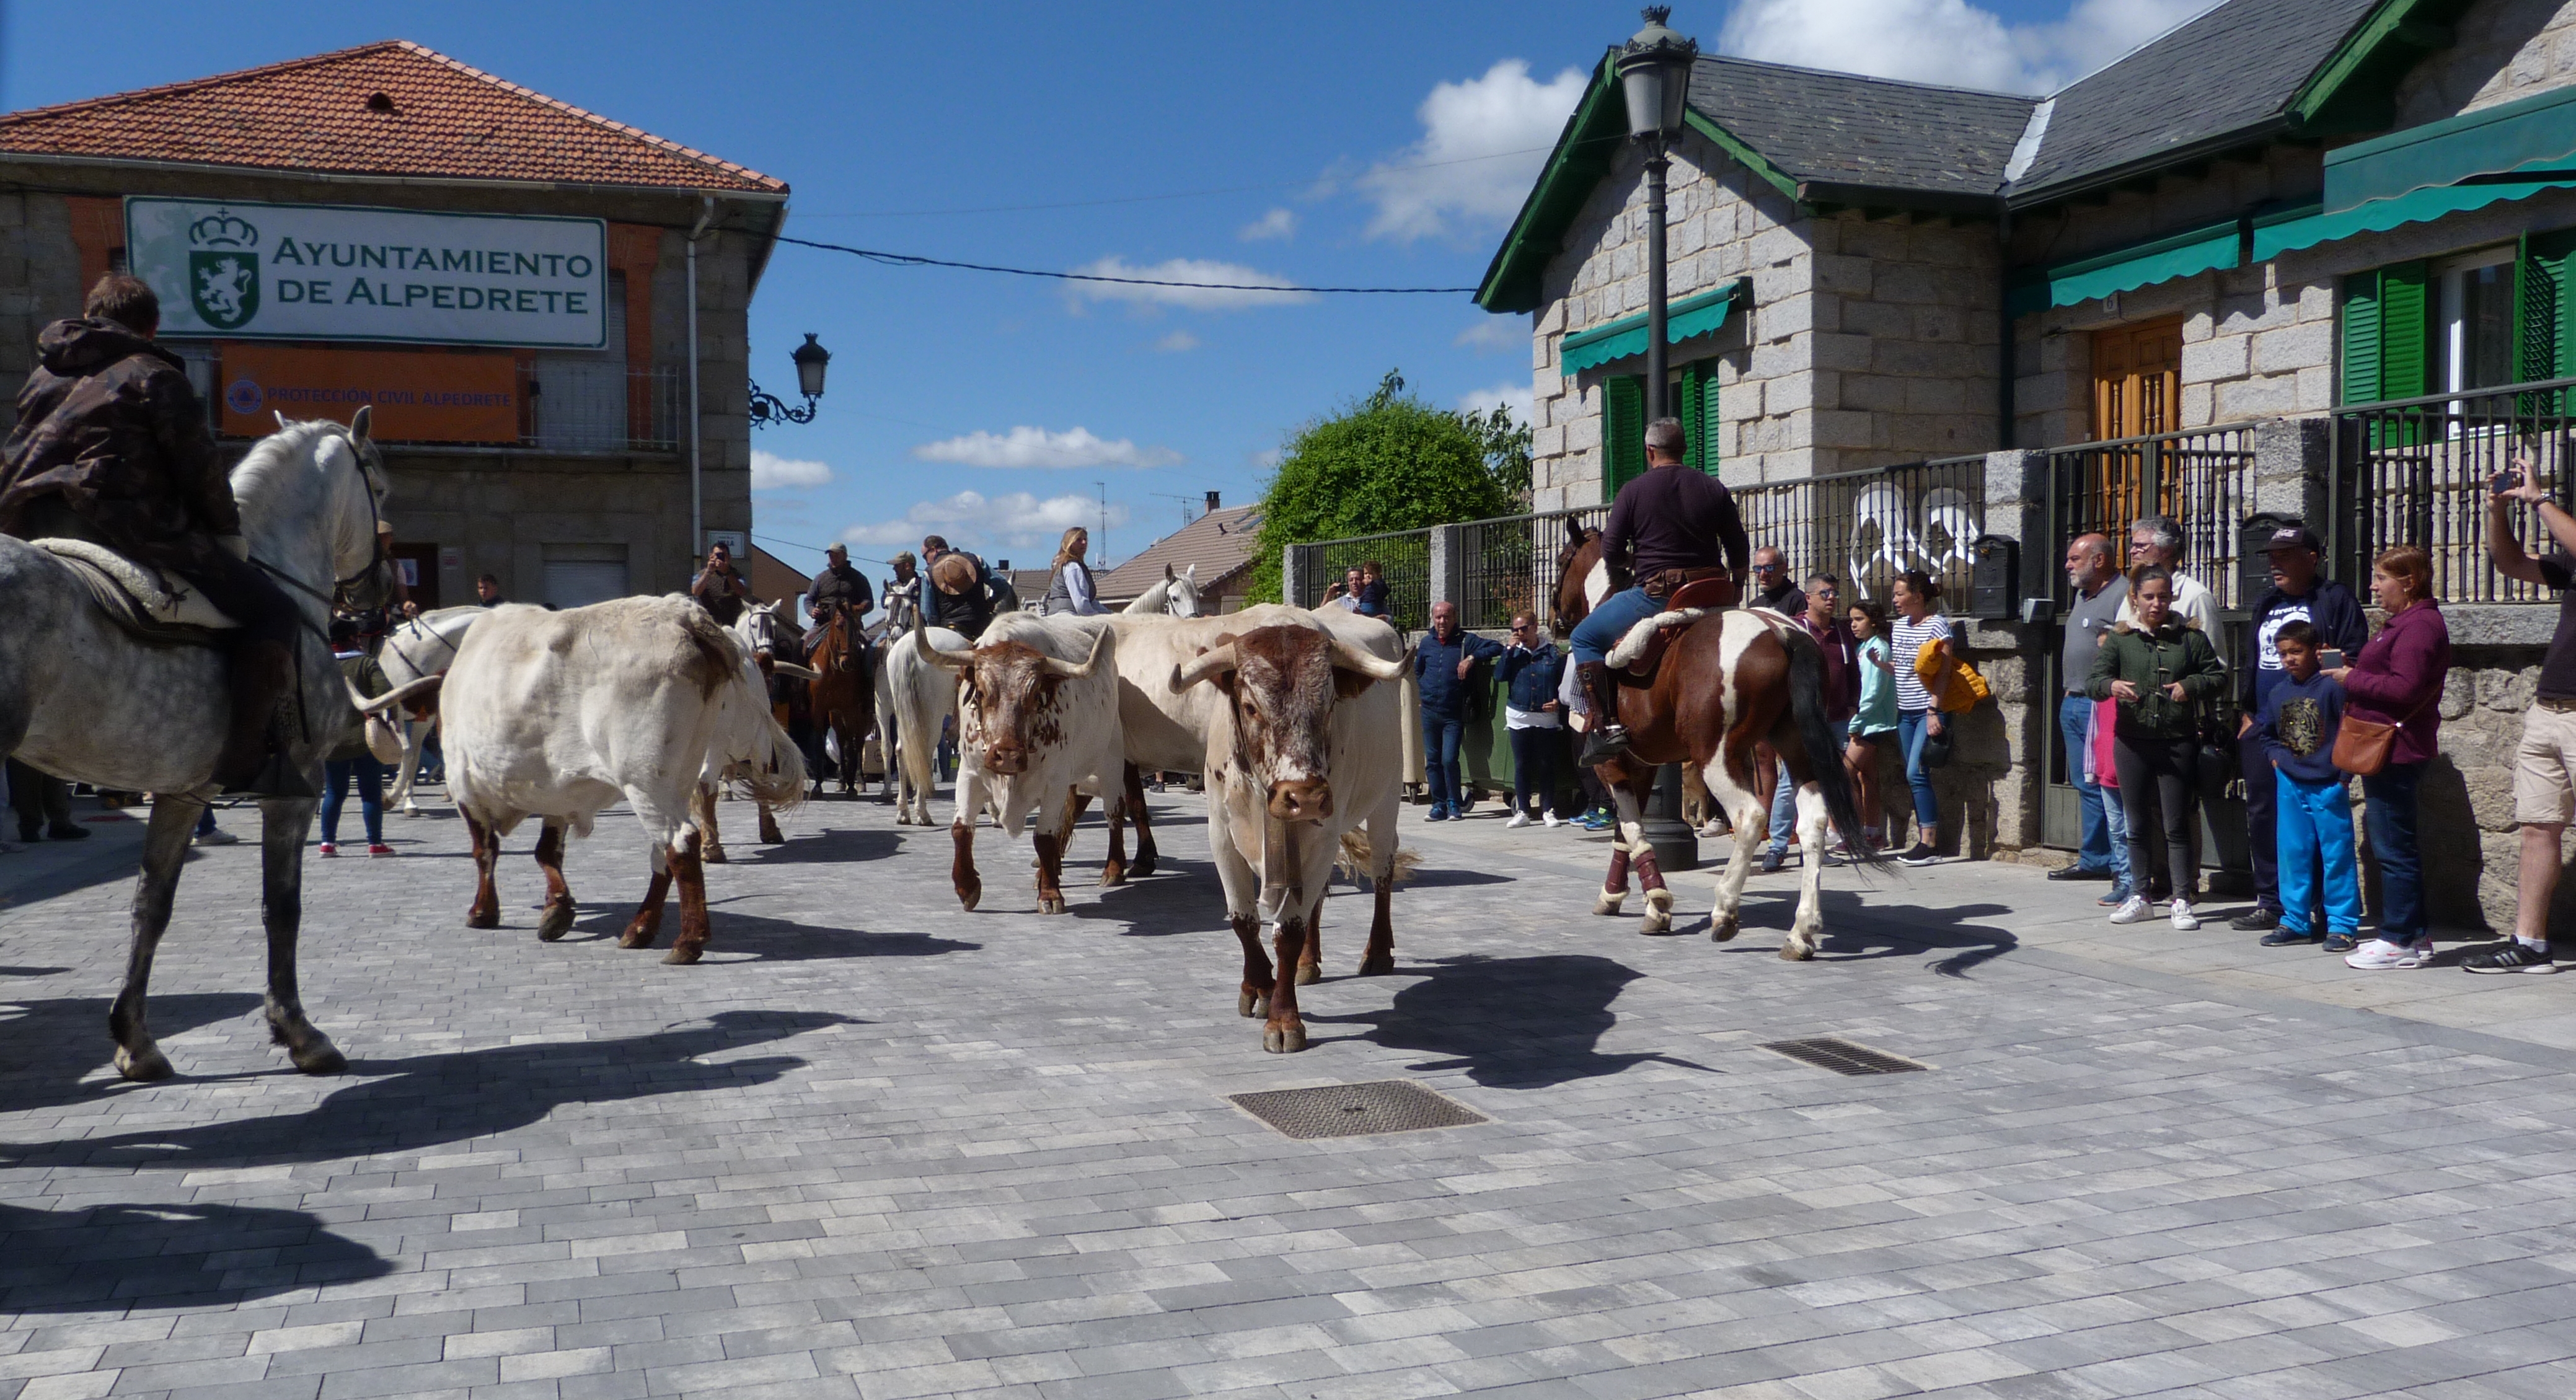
1672 518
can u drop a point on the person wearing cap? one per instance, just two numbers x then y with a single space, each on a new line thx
2299 593
839 584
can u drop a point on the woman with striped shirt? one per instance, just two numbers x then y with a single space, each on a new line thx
1917 599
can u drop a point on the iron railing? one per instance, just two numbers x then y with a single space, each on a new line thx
1403 558
1866 527
1515 561
582 407
2201 477
2420 471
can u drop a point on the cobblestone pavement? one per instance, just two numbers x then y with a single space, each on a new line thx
874 1147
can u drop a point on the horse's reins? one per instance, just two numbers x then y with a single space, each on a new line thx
375 559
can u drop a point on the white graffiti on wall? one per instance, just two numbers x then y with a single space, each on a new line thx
1891 535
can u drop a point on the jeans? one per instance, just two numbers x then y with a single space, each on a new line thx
1784 812
41 800
1533 769
2098 851
1595 635
2389 817
2161 768
370 776
2315 830
2264 830
1440 736
205 822
1910 734
2115 815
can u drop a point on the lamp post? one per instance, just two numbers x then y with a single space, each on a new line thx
811 359
1654 74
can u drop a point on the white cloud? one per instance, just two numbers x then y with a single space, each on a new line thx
1483 142
1178 342
1496 333
770 472
1036 447
1278 223
1269 457
972 520
1516 397
1949 41
1228 297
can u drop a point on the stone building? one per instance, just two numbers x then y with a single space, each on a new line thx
2193 282
506 278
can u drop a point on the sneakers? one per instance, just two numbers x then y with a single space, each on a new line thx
2512 956
1920 854
2118 895
218 837
328 850
2380 955
1771 861
1598 819
379 848
2183 919
2132 910
2255 922
2284 938
2342 942
1439 813
1553 820
1519 820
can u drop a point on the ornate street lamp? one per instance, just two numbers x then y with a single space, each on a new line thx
1655 72
810 359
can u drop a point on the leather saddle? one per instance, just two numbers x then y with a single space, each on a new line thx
146 603
1634 660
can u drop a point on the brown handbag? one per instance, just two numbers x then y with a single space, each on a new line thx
2361 745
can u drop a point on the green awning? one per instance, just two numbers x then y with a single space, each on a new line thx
1694 315
2126 269
2293 229
2534 133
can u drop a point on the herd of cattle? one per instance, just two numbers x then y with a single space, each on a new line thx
1288 715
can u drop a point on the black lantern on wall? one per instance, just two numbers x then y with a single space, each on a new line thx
811 360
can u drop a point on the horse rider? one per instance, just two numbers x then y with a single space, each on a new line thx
960 596
902 594
838 585
1682 525
720 588
111 446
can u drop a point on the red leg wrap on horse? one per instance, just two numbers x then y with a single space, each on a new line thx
1617 883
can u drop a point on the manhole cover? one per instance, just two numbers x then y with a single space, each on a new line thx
1841 1056
1354 1110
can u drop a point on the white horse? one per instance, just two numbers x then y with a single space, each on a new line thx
83 700
421 647
1176 594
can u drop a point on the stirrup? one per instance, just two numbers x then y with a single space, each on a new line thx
1601 745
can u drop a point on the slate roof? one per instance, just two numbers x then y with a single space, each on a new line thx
2231 70
1842 128
1219 542
390 108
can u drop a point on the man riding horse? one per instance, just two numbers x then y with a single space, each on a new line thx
837 585
111 446
1683 527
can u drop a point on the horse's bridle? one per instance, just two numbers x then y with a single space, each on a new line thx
375 540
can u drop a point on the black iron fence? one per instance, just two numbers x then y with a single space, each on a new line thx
2202 478
1514 562
1403 559
2420 472
1867 527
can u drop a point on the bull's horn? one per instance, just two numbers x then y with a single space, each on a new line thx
1202 666
392 697
793 671
951 660
1057 666
1351 657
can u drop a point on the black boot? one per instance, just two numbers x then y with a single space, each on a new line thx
1607 739
254 760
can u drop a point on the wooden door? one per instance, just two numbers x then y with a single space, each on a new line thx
2137 391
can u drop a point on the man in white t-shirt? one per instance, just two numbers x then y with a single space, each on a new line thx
2157 539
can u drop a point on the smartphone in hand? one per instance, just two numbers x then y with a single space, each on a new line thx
2330 659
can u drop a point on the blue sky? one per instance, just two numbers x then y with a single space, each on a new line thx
1355 144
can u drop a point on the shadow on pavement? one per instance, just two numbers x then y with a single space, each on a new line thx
1849 924
46 1046
1510 1023
105 1258
404 1105
806 848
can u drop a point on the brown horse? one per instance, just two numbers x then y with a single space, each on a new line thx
843 699
1727 682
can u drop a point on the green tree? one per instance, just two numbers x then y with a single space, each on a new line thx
1389 462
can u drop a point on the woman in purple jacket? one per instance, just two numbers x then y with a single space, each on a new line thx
2397 680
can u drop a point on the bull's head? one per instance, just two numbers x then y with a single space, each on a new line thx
1281 683
1010 687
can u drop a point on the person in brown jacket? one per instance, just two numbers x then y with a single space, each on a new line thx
111 446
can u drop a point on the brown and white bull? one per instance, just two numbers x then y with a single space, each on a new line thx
559 714
1037 731
1285 715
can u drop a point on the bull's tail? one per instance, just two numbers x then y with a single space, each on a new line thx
1817 735
1355 861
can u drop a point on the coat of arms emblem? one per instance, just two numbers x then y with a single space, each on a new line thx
223 270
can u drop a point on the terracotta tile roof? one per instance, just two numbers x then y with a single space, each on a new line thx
392 108
1219 542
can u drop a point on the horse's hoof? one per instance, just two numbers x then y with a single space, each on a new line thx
143 1067
1143 867
1112 876
969 898
1794 951
712 855
1608 904
1656 923
1724 932
319 1056
1284 1040
1659 901
556 923
1050 906
1378 967
482 918
636 937
682 954
1308 974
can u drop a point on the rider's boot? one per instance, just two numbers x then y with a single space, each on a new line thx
1608 738
254 759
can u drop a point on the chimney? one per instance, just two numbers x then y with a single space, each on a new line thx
1212 503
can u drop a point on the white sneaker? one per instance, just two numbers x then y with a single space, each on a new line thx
2380 955
2132 911
217 837
2183 918
1553 821
1519 819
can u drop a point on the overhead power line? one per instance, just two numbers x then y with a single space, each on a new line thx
1312 183
916 260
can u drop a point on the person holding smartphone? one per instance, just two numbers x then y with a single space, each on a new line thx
2300 592
2544 765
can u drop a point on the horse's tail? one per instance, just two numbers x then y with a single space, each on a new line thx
1817 735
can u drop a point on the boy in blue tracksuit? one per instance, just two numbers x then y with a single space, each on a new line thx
2296 728
1441 661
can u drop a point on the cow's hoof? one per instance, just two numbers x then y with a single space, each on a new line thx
1143 867
482 918
556 923
637 937
1284 1040
770 835
713 854
1724 931
1378 967
682 954
1609 904
143 1066
318 1056
1051 906
1795 952
1255 1005
1308 974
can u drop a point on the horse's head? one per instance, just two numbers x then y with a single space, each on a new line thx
359 564
1574 564
312 498
1181 597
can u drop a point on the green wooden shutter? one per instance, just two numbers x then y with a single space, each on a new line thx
1623 433
2361 338
2405 331
1706 424
1687 408
2545 307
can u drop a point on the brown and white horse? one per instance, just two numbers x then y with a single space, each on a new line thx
1729 681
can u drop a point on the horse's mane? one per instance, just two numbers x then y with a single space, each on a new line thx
280 450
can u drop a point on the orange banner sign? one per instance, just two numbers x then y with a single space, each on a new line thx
417 395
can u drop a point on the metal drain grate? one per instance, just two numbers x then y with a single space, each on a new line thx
1356 1110
1841 1056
